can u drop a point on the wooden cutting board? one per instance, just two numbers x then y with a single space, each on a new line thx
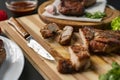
110 14
33 24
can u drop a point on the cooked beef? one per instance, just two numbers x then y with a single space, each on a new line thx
65 66
49 30
61 36
71 7
88 40
65 36
79 60
79 57
105 41
102 41
89 3
2 52
87 33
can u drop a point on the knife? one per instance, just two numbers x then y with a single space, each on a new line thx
32 43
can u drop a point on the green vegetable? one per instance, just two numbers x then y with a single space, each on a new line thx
113 74
95 15
115 24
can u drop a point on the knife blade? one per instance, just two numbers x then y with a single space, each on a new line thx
32 43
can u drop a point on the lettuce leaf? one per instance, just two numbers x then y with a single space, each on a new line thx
115 24
113 74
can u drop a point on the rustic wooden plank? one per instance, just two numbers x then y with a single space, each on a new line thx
33 24
33 57
100 65
79 76
91 75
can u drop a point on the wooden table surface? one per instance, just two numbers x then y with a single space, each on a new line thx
48 69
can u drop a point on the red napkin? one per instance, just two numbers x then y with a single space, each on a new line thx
3 15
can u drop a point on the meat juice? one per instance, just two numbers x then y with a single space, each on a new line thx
22 7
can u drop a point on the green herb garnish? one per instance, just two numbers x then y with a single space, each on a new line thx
115 24
113 74
95 15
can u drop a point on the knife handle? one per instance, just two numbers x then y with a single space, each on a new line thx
12 21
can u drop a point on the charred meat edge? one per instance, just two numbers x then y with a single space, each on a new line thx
65 35
79 57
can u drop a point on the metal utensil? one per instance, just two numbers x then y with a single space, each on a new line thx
32 43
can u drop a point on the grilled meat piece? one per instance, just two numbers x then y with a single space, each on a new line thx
102 41
65 66
2 52
86 33
49 30
79 60
105 41
89 3
65 36
71 7
79 57
52 30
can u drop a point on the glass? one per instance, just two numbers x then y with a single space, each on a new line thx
21 7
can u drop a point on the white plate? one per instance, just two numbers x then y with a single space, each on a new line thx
13 65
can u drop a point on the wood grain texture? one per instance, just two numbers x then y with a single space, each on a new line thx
33 24
78 24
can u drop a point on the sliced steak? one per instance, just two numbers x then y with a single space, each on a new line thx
79 60
71 7
49 30
79 57
102 41
105 41
65 36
